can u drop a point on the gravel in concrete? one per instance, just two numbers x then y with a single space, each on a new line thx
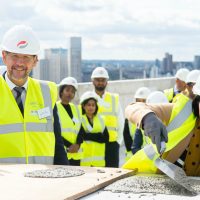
157 184
59 172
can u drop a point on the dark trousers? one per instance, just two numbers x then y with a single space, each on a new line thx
112 154
74 162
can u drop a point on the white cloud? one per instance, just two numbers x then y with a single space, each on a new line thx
114 29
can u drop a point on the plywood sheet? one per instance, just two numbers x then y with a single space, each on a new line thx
15 186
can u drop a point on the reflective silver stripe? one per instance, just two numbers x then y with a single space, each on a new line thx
79 117
181 162
38 127
94 158
181 117
10 128
88 126
30 127
69 130
101 122
113 104
47 102
31 160
77 110
48 160
19 160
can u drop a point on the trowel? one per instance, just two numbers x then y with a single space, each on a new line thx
173 171
176 173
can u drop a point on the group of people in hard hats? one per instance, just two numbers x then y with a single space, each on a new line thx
37 128
173 128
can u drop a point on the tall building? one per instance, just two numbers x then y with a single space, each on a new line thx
54 65
74 58
167 64
196 62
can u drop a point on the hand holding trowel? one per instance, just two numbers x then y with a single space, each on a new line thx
152 126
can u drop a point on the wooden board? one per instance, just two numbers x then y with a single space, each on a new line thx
15 186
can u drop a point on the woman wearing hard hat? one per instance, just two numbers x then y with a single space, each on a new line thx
70 120
96 133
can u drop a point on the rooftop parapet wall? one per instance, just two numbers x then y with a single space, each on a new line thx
127 88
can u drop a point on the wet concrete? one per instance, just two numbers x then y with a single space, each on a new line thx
155 184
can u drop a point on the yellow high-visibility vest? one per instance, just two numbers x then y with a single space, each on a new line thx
94 152
176 134
27 139
169 93
70 127
109 113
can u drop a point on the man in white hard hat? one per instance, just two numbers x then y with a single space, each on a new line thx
110 109
29 125
177 124
180 85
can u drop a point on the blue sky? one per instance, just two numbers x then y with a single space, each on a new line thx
111 29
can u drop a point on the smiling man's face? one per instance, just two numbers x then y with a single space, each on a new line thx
19 66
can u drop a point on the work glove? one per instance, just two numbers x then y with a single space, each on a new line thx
155 129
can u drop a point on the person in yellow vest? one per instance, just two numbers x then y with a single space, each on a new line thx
177 125
29 124
133 138
180 85
110 109
96 133
70 120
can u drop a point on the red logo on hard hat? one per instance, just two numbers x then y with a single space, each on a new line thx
22 44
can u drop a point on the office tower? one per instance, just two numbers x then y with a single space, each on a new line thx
74 58
54 65
167 64
196 62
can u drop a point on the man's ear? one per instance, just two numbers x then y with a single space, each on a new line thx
4 57
35 61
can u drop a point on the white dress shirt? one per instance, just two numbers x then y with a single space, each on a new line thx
11 85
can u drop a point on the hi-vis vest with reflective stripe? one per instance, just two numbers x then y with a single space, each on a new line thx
169 93
28 139
109 112
182 122
70 127
94 152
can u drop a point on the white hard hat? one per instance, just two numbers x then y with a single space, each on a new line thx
100 72
157 97
69 81
192 76
21 39
88 95
142 93
196 87
3 68
182 73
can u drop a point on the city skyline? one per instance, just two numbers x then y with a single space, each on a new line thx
114 29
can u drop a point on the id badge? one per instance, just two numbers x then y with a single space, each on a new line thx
44 112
